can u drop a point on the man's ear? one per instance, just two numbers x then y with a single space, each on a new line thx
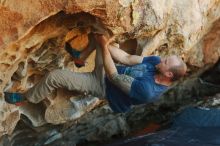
169 74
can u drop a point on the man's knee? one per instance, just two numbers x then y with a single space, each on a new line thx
34 100
53 76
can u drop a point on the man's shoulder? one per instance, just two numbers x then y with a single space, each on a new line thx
146 90
145 82
149 83
151 59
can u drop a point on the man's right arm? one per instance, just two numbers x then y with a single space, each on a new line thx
123 57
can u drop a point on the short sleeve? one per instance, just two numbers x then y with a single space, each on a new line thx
152 59
142 91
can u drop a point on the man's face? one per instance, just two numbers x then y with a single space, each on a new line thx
166 63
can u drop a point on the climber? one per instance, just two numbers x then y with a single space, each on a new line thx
140 80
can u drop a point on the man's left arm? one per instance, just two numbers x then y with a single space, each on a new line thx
123 57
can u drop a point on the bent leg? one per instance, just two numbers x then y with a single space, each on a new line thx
80 82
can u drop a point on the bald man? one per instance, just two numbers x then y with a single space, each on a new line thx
140 80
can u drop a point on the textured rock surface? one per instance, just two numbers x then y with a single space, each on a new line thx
32 38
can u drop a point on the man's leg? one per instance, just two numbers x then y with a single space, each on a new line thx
92 83
80 82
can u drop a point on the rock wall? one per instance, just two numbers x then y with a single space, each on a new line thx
32 39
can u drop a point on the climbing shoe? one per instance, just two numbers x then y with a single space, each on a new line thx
84 104
14 98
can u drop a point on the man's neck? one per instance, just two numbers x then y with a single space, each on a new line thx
160 79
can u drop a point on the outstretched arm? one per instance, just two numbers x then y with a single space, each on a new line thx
123 57
108 62
122 81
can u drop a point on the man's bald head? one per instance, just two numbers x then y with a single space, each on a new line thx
173 67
